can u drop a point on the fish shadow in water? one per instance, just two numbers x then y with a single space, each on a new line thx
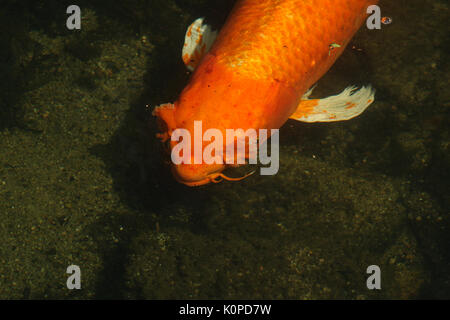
136 159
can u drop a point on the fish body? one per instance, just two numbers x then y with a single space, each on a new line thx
255 75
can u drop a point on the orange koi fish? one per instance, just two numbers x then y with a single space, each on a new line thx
256 73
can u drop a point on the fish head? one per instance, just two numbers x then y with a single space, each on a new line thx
185 168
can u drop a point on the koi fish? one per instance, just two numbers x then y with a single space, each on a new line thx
257 72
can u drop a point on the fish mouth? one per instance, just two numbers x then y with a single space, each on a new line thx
206 179
215 177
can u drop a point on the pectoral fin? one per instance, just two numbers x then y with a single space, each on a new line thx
197 42
166 117
344 106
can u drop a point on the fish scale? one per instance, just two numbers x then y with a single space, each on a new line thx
287 40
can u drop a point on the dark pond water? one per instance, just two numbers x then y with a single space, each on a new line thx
83 180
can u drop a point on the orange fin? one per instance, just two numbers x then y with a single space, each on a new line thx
197 42
344 106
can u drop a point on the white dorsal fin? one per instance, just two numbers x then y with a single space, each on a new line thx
197 42
344 106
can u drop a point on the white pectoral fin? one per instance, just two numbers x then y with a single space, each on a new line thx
197 42
344 106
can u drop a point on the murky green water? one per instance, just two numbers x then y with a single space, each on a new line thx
83 180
